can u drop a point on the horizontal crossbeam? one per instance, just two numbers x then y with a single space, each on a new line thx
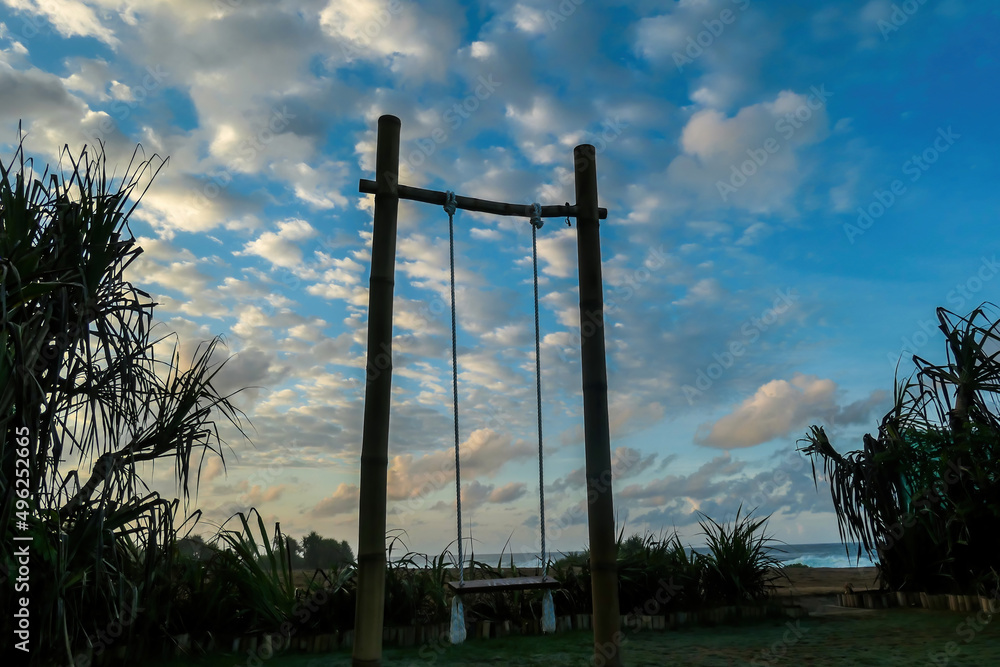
368 186
508 584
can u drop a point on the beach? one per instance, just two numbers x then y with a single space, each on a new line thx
825 580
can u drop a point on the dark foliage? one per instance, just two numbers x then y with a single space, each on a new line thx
923 495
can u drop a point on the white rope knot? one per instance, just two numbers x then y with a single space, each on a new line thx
536 215
450 205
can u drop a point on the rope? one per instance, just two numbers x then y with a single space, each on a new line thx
536 224
450 207
548 606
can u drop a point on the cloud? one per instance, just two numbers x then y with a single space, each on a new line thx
43 100
707 480
411 40
528 19
212 469
178 203
626 415
781 406
69 17
782 483
704 291
657 37
320 186
751 160
250 495
483 454
557 252
626 462
508 492
474 494
718 46
344 500
860 410
281 248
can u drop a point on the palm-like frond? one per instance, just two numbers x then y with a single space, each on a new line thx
924 495
79 375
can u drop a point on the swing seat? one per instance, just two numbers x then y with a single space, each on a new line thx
508 584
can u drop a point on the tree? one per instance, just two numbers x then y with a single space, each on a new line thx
194 547
295 549
81 388
320 552
924 495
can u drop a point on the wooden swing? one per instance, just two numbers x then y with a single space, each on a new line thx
544 581
388 191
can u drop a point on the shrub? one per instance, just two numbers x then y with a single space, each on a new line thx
739 566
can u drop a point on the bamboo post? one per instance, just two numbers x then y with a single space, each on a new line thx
597 435
368 615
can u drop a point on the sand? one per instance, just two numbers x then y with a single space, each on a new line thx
826 580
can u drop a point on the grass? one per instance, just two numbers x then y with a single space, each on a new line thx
886 638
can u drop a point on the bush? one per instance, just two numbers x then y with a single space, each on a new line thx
739 566
658 574
922 496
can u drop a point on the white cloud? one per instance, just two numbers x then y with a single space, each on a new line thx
319 186
705 290
750 160
775 410
344 500
90 78
528 19
485 234
281 248
658 37
482 50
754 234
179 203
484 454
557 252
539 118
71 18
412 40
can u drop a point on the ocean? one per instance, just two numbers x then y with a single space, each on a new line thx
812 555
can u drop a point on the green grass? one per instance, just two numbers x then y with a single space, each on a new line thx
886 638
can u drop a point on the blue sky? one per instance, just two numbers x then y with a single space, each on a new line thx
792 190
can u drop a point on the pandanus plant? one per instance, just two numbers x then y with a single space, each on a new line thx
91 401
923 496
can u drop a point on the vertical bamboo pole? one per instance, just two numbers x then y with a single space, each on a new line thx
378 384
597 435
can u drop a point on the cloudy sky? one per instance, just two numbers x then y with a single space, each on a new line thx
792 190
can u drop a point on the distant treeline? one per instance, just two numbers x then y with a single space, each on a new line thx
314 551
317 551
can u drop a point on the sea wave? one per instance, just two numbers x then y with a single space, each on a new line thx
816 560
